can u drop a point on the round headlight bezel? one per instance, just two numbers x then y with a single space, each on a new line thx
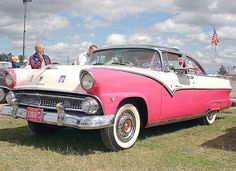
10 78
87 81
10 97
90 105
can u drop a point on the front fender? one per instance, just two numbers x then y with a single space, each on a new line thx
111 101
113 86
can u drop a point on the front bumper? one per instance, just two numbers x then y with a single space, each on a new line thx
61 118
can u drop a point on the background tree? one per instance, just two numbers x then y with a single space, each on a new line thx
5 57
21 58
222 70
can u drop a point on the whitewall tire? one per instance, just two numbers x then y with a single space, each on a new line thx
209 118
125 131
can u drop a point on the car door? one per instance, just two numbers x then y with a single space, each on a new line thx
178 96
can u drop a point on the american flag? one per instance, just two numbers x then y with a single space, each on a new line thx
214 39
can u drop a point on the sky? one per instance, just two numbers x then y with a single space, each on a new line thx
68 27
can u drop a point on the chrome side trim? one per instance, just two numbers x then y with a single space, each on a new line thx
61 118
174 120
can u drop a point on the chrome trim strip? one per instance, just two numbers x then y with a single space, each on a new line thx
63 119
174 120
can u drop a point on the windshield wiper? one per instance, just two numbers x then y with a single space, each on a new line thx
123 63
98 63
118 63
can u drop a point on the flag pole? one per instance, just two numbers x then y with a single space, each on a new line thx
214 72
214 41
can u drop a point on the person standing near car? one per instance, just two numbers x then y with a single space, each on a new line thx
84 57
39 59
15 62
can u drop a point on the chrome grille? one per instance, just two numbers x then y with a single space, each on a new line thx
49 101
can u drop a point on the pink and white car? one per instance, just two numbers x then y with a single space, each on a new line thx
121 89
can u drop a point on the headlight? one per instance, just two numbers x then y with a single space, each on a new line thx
10 98
90 105
9 79
87 81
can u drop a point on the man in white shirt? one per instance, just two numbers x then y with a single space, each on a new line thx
84 57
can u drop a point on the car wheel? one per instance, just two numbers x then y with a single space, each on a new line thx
42 129
209 118
2 95
125 130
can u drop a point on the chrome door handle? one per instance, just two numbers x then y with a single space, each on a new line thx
190 77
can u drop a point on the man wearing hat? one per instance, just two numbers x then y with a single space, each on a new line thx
39 59
15 62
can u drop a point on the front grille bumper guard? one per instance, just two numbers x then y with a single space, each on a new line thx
61 118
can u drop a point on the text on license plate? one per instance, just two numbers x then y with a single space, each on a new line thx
34 114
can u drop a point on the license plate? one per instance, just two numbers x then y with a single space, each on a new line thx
34 114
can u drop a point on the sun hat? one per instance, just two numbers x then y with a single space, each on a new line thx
15 59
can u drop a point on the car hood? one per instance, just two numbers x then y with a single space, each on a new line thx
65 78
53 78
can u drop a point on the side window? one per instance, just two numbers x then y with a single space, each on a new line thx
194 66
170 59
156 63
148 59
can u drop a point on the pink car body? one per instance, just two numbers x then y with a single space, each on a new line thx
161 102
120 90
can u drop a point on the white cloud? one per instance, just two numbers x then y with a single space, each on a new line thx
172 42
171 26
227 32
198 38
140 39
228 54
213 5
113 10
61 52
50 22
94 23
116 39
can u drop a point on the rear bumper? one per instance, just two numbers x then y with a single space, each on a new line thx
61 118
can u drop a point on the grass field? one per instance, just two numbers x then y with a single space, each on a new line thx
182 146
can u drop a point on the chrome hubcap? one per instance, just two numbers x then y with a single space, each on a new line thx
126 126
210 115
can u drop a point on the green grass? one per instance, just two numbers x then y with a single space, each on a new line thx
181 146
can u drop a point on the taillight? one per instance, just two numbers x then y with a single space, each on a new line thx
10 78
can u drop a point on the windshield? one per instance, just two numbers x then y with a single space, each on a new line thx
144 58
